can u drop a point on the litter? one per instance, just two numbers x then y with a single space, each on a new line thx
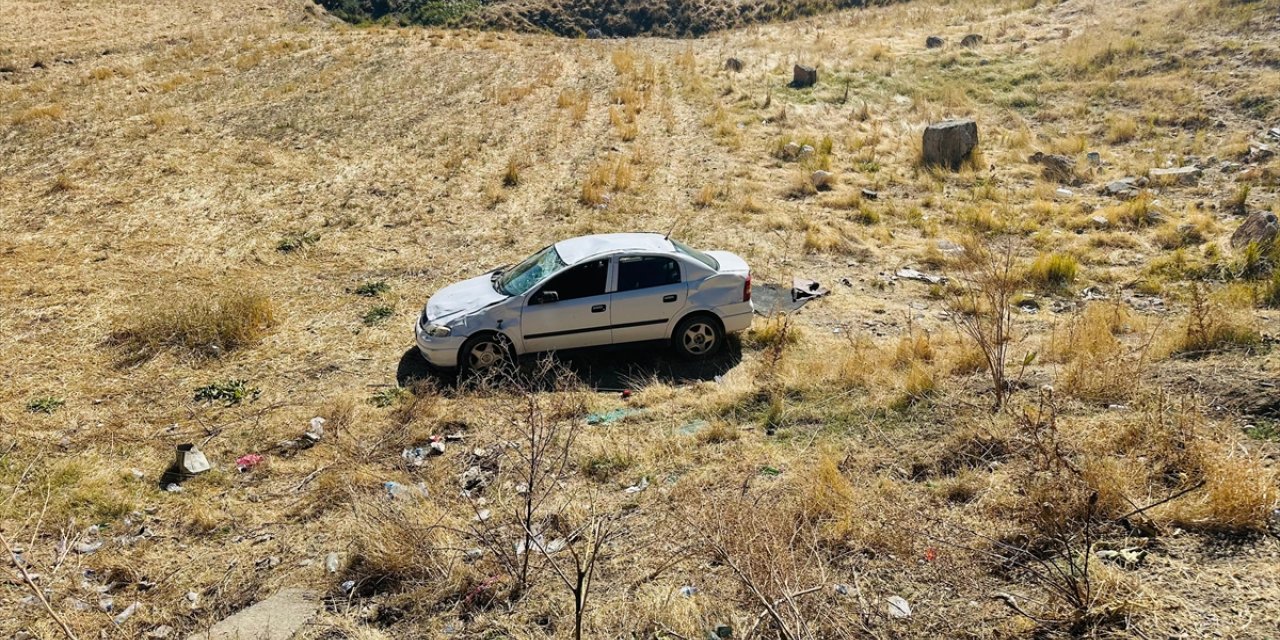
611 416
395 490
899 607
316 432
770 471
124 615
191 461
638 487
769 299
331 562
1129 557
912 274
692 428
688 591
802 288
248 461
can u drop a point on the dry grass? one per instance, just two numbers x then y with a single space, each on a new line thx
318 174
198 325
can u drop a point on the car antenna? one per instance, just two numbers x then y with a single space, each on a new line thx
674 225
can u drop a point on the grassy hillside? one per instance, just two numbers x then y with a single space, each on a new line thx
576 18
222 220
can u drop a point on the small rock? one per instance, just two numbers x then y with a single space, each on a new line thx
1063 192
160 632
1125 188
933 42
1274 133
1094 158
822 180
331 562
1259 153
1229 167
1057 168
1180 175
733 64
1099 222
791 151
722 631
950 142
899 607
971 40
803 76
594 34
950 248
1261 227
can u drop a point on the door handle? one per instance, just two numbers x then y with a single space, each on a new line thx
670 298
597 309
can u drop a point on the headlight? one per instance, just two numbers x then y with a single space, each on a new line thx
438 331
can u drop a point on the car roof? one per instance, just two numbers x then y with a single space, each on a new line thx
575 250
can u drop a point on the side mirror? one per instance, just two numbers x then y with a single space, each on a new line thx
544 297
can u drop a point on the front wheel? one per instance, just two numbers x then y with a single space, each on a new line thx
484 354
698 337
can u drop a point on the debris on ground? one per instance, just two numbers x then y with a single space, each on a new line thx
899 607
1128 557
331 562
805 289
607 417
688 591
191 461
770 299
693 427
279 617
124 616
248 461
912 274
395 490
639 486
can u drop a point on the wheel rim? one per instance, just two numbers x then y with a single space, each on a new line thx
699 338
485 355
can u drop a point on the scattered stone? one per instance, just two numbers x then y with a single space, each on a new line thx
933 42
870 194
949 248
1063 192
1259 153
971 40
1180 175
1229 167
1260 227
722 631
822 180
733 64
803 76
1099 221
315 432
912 274
1094 158
276 618
594 34
1124 188
791 151
1057 168
950 142
474 478
1274 133
899 607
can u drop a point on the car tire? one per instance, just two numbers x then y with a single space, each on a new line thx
485 353
698 336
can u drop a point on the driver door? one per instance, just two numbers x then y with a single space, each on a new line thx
570 310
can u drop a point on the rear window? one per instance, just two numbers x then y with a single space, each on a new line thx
644 272
695 254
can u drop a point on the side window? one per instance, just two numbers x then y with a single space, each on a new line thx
642 272
582 281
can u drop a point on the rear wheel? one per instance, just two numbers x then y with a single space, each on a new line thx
485 353
698 336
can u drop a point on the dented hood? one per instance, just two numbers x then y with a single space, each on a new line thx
467 296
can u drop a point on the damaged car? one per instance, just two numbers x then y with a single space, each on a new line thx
589 291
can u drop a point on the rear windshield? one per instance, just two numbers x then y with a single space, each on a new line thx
695 254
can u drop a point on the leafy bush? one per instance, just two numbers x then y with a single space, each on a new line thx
373 288
46 404
228 392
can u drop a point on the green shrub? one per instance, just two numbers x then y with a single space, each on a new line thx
1053 271
227 392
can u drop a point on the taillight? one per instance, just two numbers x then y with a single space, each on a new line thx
746 289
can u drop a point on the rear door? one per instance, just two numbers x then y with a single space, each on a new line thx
650 292
569 310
